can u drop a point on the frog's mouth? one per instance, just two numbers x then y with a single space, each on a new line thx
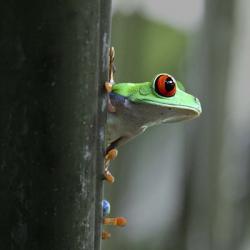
187 110
191 111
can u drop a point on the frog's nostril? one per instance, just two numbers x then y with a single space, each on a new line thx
196 100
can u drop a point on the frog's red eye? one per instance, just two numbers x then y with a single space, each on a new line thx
165 85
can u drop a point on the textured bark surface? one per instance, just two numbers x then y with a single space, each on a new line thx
53 62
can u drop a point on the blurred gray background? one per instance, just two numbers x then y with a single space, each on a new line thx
185 186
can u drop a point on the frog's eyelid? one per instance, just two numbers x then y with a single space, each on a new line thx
181 86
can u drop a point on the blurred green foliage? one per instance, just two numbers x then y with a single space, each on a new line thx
145 48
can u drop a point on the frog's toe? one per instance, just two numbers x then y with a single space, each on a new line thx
106 235
108 86
111 155
108 176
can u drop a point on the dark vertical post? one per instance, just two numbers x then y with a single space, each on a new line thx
52 123
105 16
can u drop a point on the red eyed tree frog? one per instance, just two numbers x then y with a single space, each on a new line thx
134 107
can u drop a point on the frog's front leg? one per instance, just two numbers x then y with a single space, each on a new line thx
111 154
108 85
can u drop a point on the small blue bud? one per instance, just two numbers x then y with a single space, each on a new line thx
105 207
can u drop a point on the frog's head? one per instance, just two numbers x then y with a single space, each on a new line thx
164 91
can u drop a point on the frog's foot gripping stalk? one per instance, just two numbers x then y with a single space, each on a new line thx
116 221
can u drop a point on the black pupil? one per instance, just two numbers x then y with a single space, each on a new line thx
169 84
